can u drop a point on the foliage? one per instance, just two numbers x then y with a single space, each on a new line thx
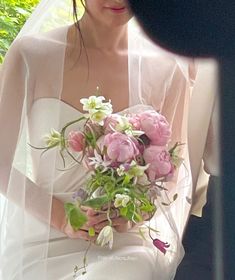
13 14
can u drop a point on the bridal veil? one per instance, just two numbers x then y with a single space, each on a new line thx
35 63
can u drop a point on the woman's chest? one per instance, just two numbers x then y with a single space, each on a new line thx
108 73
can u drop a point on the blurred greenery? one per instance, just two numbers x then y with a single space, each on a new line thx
13 14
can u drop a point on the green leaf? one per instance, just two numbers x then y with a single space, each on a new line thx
123 211
13 14
97 202
147 208
77 218
68 207
132 215
126 180
91 231
141 233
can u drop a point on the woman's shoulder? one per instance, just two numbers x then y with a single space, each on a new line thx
41 47
155 59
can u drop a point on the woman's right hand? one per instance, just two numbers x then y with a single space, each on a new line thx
81 233
94 217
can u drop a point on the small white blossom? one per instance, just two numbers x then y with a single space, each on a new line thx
137 170
53 139
98 116
96 108
92 103
121 200
123 124
97 161
121 170
105 237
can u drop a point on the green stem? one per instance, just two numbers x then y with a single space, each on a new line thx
76 269
108 214
66 126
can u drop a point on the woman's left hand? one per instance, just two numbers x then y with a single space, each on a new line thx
120 224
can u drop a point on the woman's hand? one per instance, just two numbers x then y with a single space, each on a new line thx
59 221
120 224
94 217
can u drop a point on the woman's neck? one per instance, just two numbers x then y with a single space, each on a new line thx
104 38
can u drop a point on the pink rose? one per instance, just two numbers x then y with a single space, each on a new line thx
110 123
120 147
159 161
155 127
76 141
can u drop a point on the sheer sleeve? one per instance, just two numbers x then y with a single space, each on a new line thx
12 94
28 206
176 101
172 99
15 101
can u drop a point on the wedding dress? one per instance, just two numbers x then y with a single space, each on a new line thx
127 260
31 249
131 257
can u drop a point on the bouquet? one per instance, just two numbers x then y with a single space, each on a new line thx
130 162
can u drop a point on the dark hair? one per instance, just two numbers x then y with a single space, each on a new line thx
76 23
75 14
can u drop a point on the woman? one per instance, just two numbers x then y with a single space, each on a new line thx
46 73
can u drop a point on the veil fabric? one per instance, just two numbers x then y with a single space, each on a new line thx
34 67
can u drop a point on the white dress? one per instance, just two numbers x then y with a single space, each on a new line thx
132 257
161 82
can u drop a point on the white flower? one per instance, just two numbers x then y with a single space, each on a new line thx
53 139
121 170
123 124
92 103
121 200
137 132
137 170
97 109
105 237
98 116
98 161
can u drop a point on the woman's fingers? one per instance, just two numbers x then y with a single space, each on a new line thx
83 234
115 222
89 211
92 220
123 227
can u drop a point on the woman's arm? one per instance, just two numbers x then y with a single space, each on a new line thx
14 184
12 90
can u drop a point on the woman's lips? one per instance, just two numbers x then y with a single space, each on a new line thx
117 10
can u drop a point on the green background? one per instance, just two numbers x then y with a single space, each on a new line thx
13 14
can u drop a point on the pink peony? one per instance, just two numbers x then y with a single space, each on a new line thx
135 122
155 127
120 147
159 162
76 141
